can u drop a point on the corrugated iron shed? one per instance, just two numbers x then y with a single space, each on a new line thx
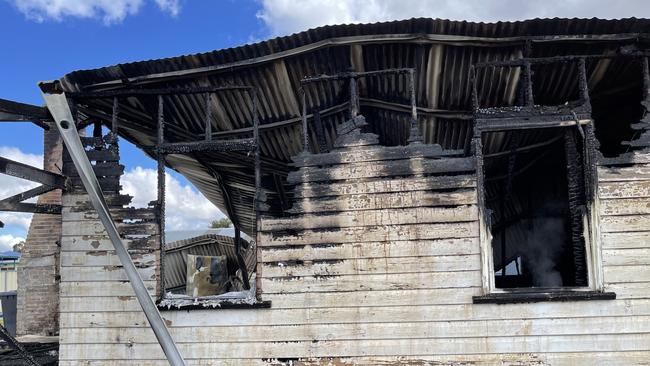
207 245
441 51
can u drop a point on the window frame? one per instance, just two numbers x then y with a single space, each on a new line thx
591 217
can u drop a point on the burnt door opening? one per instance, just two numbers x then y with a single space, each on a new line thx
535 197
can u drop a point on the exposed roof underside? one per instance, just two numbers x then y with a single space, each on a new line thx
441 51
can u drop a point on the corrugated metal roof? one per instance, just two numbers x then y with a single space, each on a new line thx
175 260
441 51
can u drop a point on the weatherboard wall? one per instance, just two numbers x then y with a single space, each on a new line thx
376 263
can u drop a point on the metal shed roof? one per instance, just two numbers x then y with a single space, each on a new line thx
207 245
441 51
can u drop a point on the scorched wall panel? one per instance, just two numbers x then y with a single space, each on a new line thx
376 263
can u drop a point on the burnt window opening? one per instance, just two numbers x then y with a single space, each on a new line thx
196 266
535 199
197 244
616 90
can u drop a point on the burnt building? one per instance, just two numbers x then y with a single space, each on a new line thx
418 192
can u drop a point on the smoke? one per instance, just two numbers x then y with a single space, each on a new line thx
540 240
545 239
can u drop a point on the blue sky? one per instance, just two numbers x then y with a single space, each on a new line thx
50 48
45 39
42 51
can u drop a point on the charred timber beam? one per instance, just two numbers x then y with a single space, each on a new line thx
30 207
407 108
240 260
577 205
160 185
200 146
26 110
156 92
8 117
319 129
363 102
541 296
29 194
353 75
28 172
514 123
554 59
385 153
16 112
13 343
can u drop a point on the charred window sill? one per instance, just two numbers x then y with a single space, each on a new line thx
211 304
527 297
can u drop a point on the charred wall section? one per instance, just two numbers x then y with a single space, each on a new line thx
91 273
376 262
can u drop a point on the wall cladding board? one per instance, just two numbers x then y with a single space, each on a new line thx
624 192
373 270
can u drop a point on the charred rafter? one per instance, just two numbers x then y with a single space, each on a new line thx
49 181
28 172
16 112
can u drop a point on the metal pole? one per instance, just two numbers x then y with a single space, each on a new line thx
58 106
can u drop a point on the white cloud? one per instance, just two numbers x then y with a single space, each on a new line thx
7 242
185 207
11 185
173 7
16 154
288 16
109 11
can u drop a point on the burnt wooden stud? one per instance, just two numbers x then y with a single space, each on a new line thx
160 201
305 132
208 118
354 98
114 117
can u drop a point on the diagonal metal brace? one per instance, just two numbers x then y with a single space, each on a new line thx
60 110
